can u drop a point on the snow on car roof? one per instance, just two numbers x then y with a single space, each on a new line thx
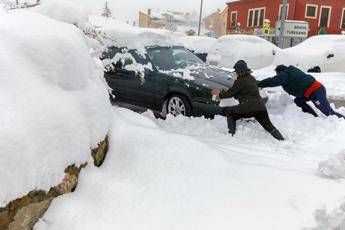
240 37
198 44
121 34
325 51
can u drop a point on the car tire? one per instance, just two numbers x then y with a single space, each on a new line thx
176 105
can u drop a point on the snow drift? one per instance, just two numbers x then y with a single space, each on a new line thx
187 173
53 102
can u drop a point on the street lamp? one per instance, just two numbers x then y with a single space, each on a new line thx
200 16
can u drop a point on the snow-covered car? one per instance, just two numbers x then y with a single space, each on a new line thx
167 80
256 51
151 68
324 51
199 45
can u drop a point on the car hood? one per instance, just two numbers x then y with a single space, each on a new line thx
207 76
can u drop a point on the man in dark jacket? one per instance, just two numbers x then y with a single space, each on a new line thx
303 86
246 91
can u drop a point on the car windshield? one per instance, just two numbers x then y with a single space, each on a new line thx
172 58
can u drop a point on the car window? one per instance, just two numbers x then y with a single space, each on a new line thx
119 58
172 58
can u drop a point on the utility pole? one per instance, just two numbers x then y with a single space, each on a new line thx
282 24
200 16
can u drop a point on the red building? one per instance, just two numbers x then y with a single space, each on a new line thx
328 15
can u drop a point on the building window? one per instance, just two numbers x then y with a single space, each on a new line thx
256 17
281 11
342 25
250 18
233 19
311 11
325 16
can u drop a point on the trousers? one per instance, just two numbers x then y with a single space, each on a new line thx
261 116
319 99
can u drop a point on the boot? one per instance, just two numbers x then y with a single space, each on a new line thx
231 125
310 110
277 135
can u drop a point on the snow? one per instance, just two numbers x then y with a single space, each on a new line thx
53 101
119 34
314 52
334 220
64 11
334 167
180 173
256 51
198 44
188 173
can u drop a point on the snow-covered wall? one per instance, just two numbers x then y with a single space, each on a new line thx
54 103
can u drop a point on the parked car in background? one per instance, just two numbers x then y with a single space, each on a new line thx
324 53
256 51
199 45
165 79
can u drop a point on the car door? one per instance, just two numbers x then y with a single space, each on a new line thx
123 81
148 87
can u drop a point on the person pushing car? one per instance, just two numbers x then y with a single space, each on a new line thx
246 91
304 87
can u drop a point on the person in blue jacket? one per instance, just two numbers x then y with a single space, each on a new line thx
304 87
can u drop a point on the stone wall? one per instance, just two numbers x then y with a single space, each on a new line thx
23 213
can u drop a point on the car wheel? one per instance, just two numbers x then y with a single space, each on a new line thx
178 105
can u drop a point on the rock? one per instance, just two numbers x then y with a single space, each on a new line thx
100 153
23 213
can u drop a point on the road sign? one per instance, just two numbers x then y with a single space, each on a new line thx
294 29
266 27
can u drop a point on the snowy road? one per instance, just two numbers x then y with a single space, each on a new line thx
188 173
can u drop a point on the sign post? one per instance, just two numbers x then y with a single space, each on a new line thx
200 16
266 27
282 22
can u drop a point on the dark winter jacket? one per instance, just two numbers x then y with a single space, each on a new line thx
294 81
246 91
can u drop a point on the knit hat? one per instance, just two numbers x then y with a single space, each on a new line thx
240 66
281 68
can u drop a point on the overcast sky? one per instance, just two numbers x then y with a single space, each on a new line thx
128 9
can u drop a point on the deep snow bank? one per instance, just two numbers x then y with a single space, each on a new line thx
187 173
53 104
